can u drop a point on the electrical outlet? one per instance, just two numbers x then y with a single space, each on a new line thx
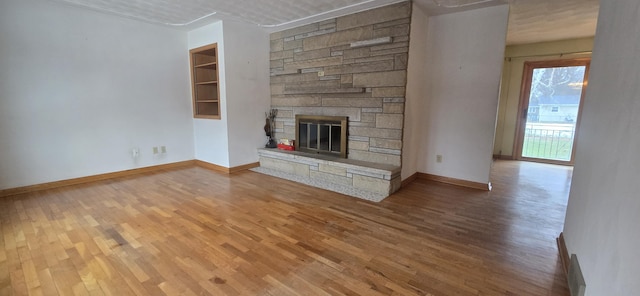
135 152
163 149
438 158
155 150
320 73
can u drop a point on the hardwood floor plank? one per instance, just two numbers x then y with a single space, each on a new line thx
191 231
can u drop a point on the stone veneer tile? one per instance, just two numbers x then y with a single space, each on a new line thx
362 124
392 51
294 78
296 101
375 157
346 79
285 166
393 121
311 85
331 178
368 117
365 172
393 100
277 45
358 138
276 55
312 54
356 53
391 108
401 61
387 151
357 145
377 66
380 79
332 169
276 64
299 30
330 77
390 46
338 38
323 62
372 110
374 16
385 143
277 89
328 26
352 113
293 44
352 102
384 92
315 33
369 183
399 30
392 23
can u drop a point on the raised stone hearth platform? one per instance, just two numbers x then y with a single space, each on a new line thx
360 179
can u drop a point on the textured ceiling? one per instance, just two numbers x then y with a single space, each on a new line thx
529 20
548 20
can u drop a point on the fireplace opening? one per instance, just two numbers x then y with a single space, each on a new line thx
322 134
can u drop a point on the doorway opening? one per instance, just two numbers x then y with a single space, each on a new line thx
549 115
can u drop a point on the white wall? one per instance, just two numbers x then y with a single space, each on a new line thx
243 65
415 98
603 214
464 62
248 90
80 89
211 135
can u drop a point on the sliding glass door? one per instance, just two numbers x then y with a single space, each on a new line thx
550 103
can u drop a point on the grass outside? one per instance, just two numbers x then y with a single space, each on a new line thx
547 147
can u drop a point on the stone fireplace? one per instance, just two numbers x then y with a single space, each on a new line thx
353 67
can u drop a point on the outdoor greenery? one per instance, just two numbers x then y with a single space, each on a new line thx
548 147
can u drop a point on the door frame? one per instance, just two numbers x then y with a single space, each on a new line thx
523 104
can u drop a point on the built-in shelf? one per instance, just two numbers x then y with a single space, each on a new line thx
211 65
204 78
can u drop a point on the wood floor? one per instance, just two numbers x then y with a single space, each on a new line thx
191 231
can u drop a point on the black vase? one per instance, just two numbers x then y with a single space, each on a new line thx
271 143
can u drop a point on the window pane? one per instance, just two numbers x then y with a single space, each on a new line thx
313 136
302 129
324 137
335 138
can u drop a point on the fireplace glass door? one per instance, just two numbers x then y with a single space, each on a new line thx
321 134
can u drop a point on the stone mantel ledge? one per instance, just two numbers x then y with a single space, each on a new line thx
366 180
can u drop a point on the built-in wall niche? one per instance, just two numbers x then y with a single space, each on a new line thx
204 80
322 135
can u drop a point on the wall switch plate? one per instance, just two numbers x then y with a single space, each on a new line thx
155 150
163 149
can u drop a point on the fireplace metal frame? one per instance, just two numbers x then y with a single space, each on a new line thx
316 119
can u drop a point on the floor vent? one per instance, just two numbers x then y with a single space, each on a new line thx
576 280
